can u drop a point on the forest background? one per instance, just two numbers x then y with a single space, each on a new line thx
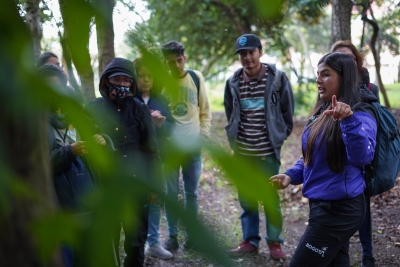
295 34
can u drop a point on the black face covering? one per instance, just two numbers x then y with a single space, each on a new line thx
121 91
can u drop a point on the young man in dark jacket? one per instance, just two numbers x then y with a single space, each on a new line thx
129 125
259 107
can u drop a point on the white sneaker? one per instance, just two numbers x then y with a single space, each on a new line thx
158 251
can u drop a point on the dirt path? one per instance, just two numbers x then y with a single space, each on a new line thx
220 210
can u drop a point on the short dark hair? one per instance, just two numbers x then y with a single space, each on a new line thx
42 59
173 48
51 70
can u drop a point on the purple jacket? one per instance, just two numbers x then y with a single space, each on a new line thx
319 182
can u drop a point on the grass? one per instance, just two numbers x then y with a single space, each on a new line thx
393 94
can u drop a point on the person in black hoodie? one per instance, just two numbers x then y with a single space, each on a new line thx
129 125
73 177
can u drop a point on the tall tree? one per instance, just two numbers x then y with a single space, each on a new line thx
209 39
105 32
26 185
341 18
32 17
373 45
77 16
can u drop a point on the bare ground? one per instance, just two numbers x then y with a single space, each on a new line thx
220 210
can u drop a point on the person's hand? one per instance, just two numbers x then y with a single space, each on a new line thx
99 139
280 181
158 118
339 110
79 148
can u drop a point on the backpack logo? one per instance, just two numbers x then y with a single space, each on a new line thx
242 41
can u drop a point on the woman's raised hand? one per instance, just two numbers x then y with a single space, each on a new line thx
339 110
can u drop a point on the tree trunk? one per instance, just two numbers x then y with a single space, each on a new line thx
376 55
33 20
341 16
26 185
67 62
105 32
77 15
27 164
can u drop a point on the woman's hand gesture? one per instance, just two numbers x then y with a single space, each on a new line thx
339 110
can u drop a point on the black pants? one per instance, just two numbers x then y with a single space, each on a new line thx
135 238
330 226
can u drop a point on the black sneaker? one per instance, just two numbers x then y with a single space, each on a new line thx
171 244
368 262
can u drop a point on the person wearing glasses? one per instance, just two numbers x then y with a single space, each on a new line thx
129 125
150 95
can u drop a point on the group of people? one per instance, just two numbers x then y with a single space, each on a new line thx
162 126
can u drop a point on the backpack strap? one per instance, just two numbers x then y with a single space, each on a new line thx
196 81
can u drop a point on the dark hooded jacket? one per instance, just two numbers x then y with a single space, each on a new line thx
73 176
129 125
365 81
279 108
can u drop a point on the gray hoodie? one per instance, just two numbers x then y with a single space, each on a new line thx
279 108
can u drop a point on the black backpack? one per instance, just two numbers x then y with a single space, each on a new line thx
196 82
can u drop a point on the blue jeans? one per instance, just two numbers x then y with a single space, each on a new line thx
365 232
191 170
154 223
67 255
250 215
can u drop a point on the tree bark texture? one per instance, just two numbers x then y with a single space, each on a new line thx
33 21
77 15
105 32
341 17
26 189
